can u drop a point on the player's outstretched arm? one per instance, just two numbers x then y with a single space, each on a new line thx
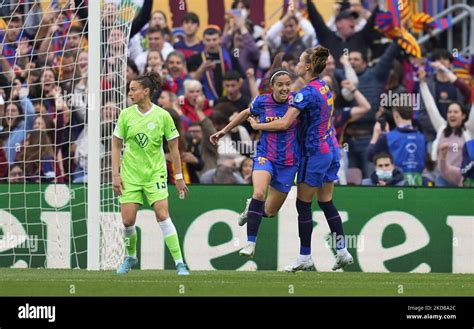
277 125
117 144
181 187
237 120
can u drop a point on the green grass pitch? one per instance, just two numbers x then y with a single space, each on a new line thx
46 282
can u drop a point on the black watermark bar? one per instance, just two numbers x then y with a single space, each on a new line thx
63 312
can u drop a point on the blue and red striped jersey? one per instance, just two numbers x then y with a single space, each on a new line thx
279 147
316 105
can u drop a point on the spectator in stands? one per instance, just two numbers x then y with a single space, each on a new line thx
154 62
56 107
283 35
38 158
345 37
82 62
198 142
190 45
445 87
192 160
344 115
252 83
451 133
467 166
79 172
132 70
371 84
79 104
10 38
43 122
232 85
76 39
140 26
210 66
194 101
245 170
156 41
330 66
169 100
33 20
385 174
345 97
239 42
233 145
354 6
61 36
395 79
159 19
39 106
114 47
175 73
16 174
405 143
3 159
192 155
31 74
254 27
18 120
110 14
67 71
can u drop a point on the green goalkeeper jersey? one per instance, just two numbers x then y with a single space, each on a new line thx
142 133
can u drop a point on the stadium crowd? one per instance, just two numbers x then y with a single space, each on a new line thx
209 78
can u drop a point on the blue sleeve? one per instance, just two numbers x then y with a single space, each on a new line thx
303 99
255 106
30 114
379 146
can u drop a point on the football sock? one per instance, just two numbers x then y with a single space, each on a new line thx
171 239
335 223
130 241
254 218
305 226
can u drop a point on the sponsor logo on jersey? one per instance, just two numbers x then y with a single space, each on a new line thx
141 139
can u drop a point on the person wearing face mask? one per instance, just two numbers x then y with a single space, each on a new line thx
385 174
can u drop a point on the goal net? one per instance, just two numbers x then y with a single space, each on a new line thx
62 80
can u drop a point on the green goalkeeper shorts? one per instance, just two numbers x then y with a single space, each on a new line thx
132 193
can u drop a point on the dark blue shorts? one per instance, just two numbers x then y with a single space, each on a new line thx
315 170
283 177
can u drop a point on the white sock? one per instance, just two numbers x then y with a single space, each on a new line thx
305 257
342 251
129 231
167 227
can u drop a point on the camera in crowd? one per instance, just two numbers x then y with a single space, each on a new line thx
386 118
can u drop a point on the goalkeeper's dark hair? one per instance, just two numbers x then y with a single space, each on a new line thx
150 80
